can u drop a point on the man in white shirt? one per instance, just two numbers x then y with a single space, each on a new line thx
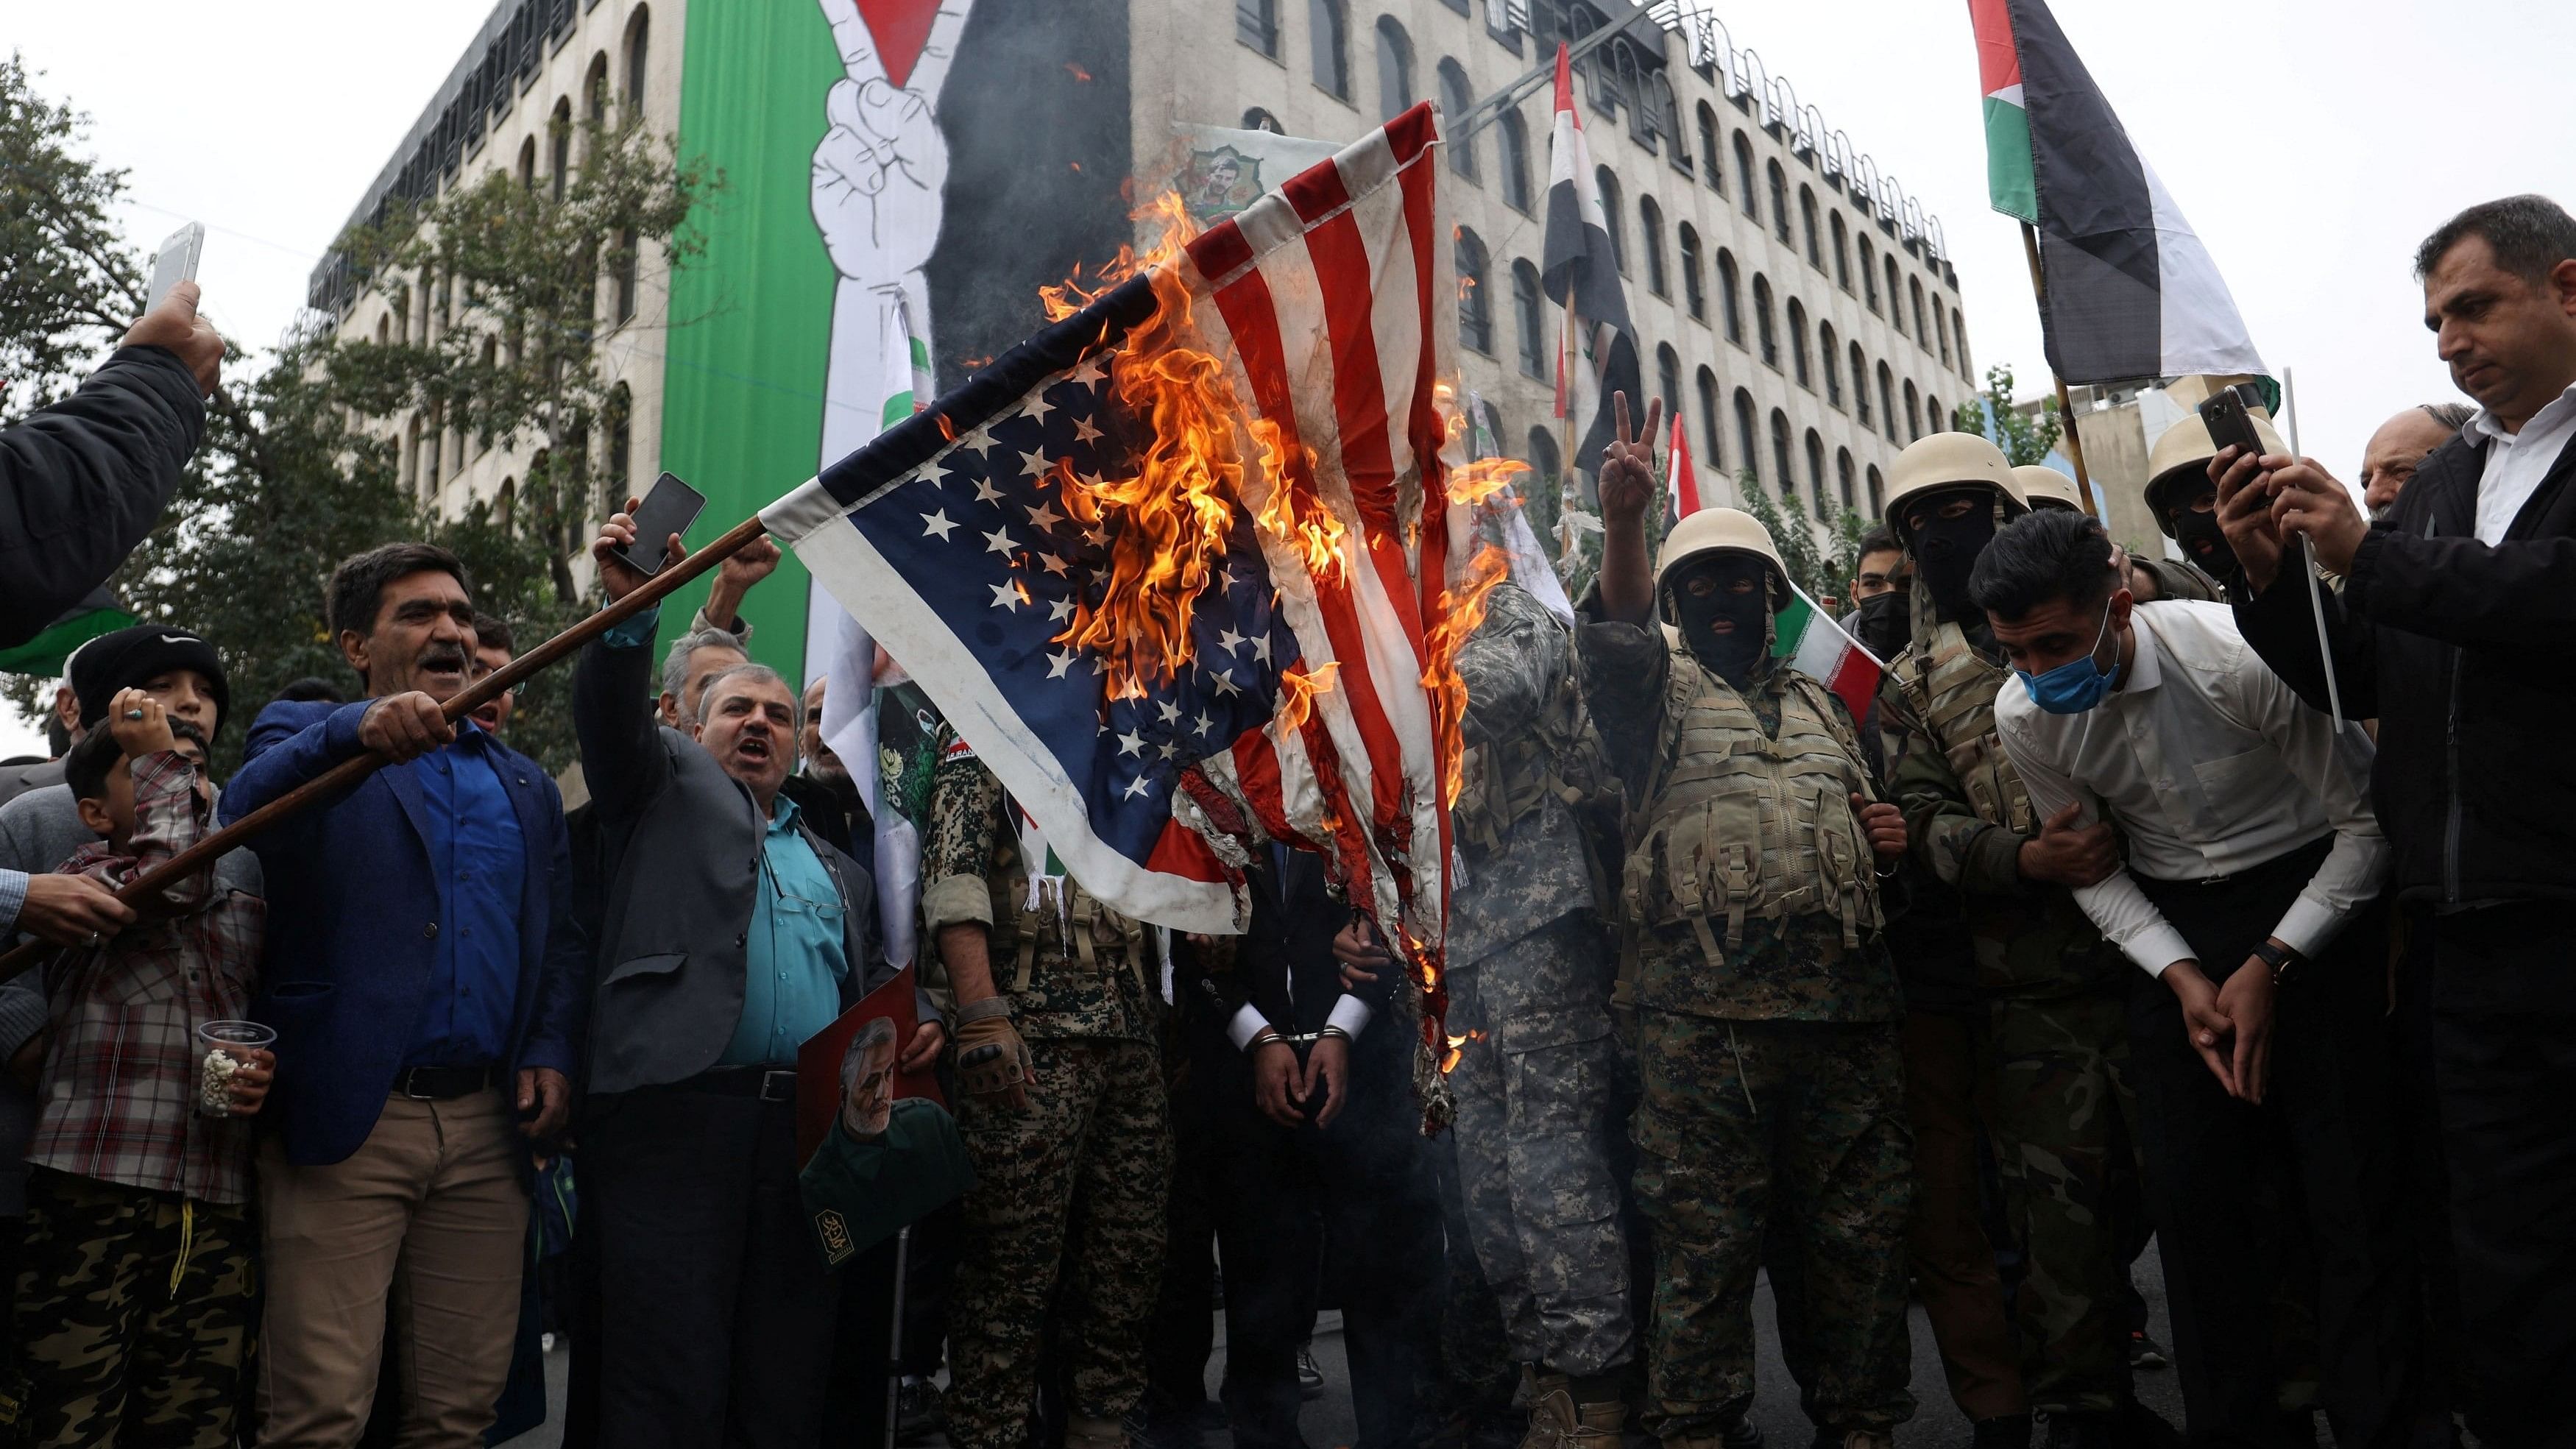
2453 631
2255 1023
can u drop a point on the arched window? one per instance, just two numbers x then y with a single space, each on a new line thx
1765 326
528 164
1922 330
1542 458
384 328
1843 477
1933 418
1650 228
1709 433
1842 252
1256 24
1694 285
1475 307
1913 412
1394 69
1827 353
411 454
1798 364
1959 330
1708 148
621 272
1668 376
436 437
594 89
1779 199
1530 318
1860 385
1816 473
1877 493
1258 119
1868 272
1610 221
1329 26
639 33
1895 296
1748 435
1807 225
1744 173
1887 400
1730 296
1780 457
1941 332
1457 99
505 506
619 416
559 134
1516 173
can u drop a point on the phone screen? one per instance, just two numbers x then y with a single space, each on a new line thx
176 262
2229 424
670 508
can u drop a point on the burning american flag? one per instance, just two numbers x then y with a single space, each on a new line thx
1168 566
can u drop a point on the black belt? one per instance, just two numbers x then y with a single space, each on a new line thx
769 1084
441 1084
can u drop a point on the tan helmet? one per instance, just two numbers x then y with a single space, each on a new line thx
2181 457
1949 460
1718 530
2047 488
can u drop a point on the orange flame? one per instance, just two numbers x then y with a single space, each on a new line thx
1465 610
1298 688
1473 483
1457 1049
1078 72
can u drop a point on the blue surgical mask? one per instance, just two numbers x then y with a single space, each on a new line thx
2078 684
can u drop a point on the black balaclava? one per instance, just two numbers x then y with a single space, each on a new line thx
2205 544
1945 552
1733 654
1883 623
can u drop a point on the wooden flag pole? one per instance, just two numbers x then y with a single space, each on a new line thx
349 772
2065 409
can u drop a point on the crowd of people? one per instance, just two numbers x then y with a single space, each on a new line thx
2093 928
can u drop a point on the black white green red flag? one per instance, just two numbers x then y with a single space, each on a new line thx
1578 263
2130 291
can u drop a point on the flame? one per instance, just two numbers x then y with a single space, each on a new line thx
1473 483
947 429
1078 72
1457 1048
1465 609
1298 689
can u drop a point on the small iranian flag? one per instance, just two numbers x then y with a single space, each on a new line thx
1817 647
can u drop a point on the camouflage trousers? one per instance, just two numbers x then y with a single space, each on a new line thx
117 1352
1534 1095
2055 1064
1745 1122
1069 1192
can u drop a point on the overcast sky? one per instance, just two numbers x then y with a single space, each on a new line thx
2312 143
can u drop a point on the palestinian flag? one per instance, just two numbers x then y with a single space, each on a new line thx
1578 263
1681 485
2131 292
52 648
1817 647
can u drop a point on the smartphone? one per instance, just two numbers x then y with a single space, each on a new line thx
670 508
175 262
2230 424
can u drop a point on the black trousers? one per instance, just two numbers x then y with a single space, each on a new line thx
1183 1335
716 1311
1358 1195
2238 1190
2504 1058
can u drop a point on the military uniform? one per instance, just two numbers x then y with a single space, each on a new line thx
2054 1034
1529 985
1768 1014
1067 1211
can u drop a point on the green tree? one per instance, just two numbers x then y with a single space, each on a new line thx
2026 438
1822 568
65 278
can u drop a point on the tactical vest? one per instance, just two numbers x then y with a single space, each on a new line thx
1736 823
1952 690
1064 916
1501 782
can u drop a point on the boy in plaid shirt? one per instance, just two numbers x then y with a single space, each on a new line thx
138 1284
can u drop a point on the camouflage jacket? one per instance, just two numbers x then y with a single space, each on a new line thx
1071 966
1533 782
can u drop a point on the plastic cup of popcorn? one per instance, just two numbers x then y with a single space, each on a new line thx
228 1045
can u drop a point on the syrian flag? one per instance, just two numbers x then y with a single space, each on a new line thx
2131 292
1818 648
1681 485
1578 263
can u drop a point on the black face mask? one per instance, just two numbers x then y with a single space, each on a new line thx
1884 623
1731 654
2205 544
1945 553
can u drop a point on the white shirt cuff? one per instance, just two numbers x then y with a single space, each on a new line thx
2157 947
1350 1014
2310 926
1246 1022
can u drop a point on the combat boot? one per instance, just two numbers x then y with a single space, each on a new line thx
1082 1433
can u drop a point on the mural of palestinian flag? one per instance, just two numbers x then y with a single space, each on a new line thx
2131 292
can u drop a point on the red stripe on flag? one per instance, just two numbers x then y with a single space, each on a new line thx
1998 58
1565 88
1341 266
1217 251
1180 851
1685 481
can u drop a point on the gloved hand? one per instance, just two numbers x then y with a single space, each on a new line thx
993 1062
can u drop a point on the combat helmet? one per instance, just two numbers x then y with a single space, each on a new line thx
1720 530
1937 461
2047 488
2180 459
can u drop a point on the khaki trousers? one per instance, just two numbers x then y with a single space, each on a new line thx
430 1210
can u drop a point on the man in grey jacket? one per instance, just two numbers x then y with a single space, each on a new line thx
732 933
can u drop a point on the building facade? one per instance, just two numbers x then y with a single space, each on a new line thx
1791 303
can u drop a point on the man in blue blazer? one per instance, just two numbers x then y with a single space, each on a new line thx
426 983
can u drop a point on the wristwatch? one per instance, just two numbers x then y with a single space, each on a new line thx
2279 958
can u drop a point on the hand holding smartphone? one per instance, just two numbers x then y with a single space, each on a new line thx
668 509
175 262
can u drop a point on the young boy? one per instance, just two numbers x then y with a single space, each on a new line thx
137 1289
